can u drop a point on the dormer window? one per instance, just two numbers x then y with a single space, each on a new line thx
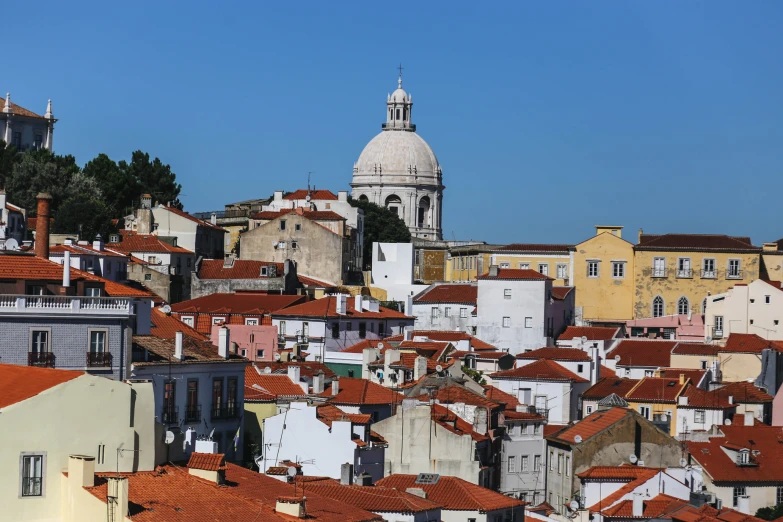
744 456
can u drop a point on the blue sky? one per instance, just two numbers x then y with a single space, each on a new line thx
547 118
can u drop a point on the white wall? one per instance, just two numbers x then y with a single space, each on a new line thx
445 320
737 310
686 419
561 396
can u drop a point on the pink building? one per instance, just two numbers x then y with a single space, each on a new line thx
255 342
673 327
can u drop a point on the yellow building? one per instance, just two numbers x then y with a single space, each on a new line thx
674 273
465 263
603 268
556 261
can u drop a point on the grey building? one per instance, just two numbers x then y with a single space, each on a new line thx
25 129
523 455
229 275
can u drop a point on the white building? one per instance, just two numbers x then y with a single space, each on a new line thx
318 200
93 257
584 337
13 224
446 307
398 170
25 129
392 270
517 309
755 308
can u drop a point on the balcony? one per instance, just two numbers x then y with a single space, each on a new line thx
659 272
217 413
41 359
733 274
169 415
98 360
709 274
193 413
717 333
684 273
231 411
36 305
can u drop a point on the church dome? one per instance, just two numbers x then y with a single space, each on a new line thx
398 153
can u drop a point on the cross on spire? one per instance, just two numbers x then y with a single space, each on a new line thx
399 80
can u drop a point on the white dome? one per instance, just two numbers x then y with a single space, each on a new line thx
398 153
399 95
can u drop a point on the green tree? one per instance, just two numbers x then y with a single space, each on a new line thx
41 171
476 375
380 225
83 214
770 513
153 177
119 187
7 159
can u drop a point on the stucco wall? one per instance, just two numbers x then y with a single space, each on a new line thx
739 366
534 261
604 297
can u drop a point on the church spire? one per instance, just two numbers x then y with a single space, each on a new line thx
398 109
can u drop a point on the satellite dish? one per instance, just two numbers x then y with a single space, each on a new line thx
727 422
268 369
439 368
380 345
169 437
683 463
616 358
633 458
574 505
166 309
11 244
578 439
291 471
708 339
277 356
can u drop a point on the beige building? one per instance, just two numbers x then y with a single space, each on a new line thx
47 415
740 358
555 261
755 308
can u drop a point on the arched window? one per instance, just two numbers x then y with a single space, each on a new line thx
424 211
657 307
683 306
363 198
394 203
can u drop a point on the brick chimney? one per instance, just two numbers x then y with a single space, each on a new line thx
42 225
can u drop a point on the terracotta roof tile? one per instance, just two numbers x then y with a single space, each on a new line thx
609 385
517 274
561 292
541 370
747 343
312 215
19 110
315 283
607 372
83 250
454 493
593 333
192 218
207 461
447 335
707 513
720 466
591 425
454 423
449 293
242 303
328 413
483 354
496 395
18 383
161 351
655 389
326 307
240 269
377 499
695 242
325 195
306 368
654 508
695 375
696 349
536 247
270 386
698 398
363 344
134 242
638 352
455 393
744 393
166 327
556 354
361 391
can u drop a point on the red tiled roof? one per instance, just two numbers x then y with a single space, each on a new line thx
638 352
593 333
134 242
328 413
518 274
81 250
707 513
240 269
617 473
241 303
609 385
167 326
361 391
744 393
775 284
695 242
451 422
454 393
541 370
696 349
18 383
207 461
656 389
314 194
306 368
269 386
561 292
656 507
316 283
189 217
446 335
312 215
454 493
326 307
695 375
719 465
495 394
483 354
161 351
449 293
18 110
698 398
535 247
591 425
551 429
362 345
607 372
556 354
747 343
377 499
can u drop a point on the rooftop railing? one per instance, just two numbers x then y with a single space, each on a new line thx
60 304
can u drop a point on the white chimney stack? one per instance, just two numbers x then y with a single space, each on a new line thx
595 374
358 303
178 346
66 269
294 373
638 505
341 304
223 338
335 386
97 244
419 368
318 383
407 333
409 305
743 504
750 420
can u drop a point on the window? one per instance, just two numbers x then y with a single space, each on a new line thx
543 268
537 463
259 354
718 325
169 402
362 330
191 404
551 461
217 398
463 312
649 373
188 320
645 412
734 269
251 321
524 266
523 395
779 496
588 410
659 267
38 141
684 267
703 363
282 224
567 466
231 397
683 306
335 331
528 322
39 341
738 492
507 293
298 227
523 463
506 322
32 476
562 271
16 140
434 312
559 463
148 277
512 464
189 262
294 244
767 299
592 269
579 368
97 341
505 265
218 320
447 311
657 307
381 329
708 268
698 416
618 269
152 260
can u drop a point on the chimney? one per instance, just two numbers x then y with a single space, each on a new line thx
641 232
750 420
369 356
358 303
407 332
419 492
178 346
419 368
682 379
595 375
81 470
743 504
97 244
118 490
341 304
390 356
365 479
682 400
197 468
731 399
493 271
638 505
342 195
769 247
146 201
346 474
291 506
294 373
213 219
318 383
3 199
409 305
42 225
66 269
335 387
223 340
278 195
